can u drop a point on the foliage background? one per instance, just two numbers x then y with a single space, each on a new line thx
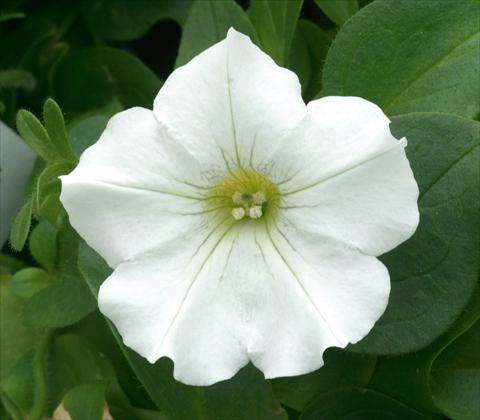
418 59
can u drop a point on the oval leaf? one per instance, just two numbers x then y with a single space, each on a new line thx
409 56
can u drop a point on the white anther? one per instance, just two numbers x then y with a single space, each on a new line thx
259 197
237 197
255 212
238 213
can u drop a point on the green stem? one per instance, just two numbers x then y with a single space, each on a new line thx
40 378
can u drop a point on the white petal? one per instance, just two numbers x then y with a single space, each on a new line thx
230 105
345 176
132 190
212 304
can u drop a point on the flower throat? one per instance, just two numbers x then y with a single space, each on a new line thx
246 195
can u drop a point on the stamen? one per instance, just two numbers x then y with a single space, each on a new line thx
255 212
238 213
259 198
237 197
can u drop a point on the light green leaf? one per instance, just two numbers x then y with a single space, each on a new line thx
24 389
63 303
124 20
55 126
69 298
341 369
35 135
21 226
43 244
361 404
91 77
16 338
338 11
207 23
28 281
433 273
85 402
48 181
409 56
5 17
309 48
244 397
275 22
16 78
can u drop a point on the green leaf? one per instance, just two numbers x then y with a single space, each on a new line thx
275 23
433 273
409 56
208 23
338 11
63 303
360 404
408 378
16 338
341 369
43 244
74 361
48 181
17 78
69 298
16 388
25 283
455 376
35 135
245 396
91 77
21 226
85 402
309 48
55 125
87 132
124 20
24 389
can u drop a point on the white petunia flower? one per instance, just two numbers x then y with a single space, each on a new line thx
242 224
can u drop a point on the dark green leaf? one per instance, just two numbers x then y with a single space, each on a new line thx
246 396
338 11
124 20
92 77
55 126
310 46
455 376
43 244
208 23
21 226
341 369
433 273
87 132
28 281
275 23
409 56
359 404
408 378
35 135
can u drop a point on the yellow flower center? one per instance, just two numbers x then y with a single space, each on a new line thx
245 194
